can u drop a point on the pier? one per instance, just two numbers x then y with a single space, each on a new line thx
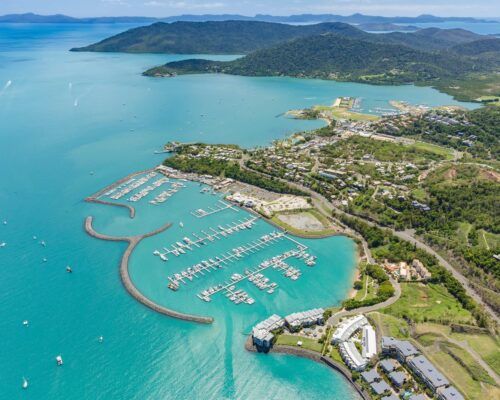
204 238
133 241
221 206
255 276
95 198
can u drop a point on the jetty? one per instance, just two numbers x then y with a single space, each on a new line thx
133 241
95 198
221 206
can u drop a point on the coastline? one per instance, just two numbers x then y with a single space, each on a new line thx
313 356
133 241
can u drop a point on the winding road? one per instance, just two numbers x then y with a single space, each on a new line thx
322 203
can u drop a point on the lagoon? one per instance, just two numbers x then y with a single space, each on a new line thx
64 115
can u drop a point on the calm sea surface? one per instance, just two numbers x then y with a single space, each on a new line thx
63 115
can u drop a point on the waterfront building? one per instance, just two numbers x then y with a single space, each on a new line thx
388 365
422 367
298 320
398 378
402 349
449 393
371 376
390 397
369 342
271 323
347 328
262 339
351 356
380 387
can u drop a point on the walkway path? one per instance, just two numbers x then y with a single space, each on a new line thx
335 318
133 241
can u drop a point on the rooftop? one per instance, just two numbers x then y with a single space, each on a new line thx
380 387
427 369
450 393
388 365
371 375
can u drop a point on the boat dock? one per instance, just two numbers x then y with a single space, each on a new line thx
226 258
204 238
257 278
220 206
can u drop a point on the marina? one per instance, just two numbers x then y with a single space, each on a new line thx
202 239
130 185
220 206
226 258
256 277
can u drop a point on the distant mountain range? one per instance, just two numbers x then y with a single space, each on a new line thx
243 37
300 18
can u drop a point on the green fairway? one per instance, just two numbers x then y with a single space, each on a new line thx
430 302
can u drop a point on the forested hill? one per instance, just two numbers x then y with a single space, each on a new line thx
243 37
225 37
333 56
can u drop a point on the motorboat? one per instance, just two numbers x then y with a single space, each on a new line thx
59 360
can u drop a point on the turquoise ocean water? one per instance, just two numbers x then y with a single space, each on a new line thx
63 115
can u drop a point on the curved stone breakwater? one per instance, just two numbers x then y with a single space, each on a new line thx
133 241
95 197
314 356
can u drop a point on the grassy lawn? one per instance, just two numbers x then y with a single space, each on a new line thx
461 377
307 343
389 325
371 292
442 151
488 240
487 346
328 230
463 232
428 303
419 194
335 355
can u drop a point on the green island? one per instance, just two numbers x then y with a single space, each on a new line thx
418 192
455 61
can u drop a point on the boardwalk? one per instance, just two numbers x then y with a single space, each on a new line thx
133 241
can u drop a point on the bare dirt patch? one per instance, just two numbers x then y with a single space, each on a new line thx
304 221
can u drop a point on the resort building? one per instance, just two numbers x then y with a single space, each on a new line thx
422 367
351 356
449 393
420 270
380 387
388 365
347 328
368 342
348 350
298 320
262 337
271 323
390 397
371 376
402 349
397 378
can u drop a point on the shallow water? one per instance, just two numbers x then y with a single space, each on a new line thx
66 114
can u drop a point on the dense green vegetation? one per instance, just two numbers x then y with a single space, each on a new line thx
228 169
332 56
221 37
385 245
358 146
385 289
480 126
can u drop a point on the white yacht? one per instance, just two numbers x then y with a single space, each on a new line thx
59 360
25 383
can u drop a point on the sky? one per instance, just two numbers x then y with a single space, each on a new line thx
163 8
